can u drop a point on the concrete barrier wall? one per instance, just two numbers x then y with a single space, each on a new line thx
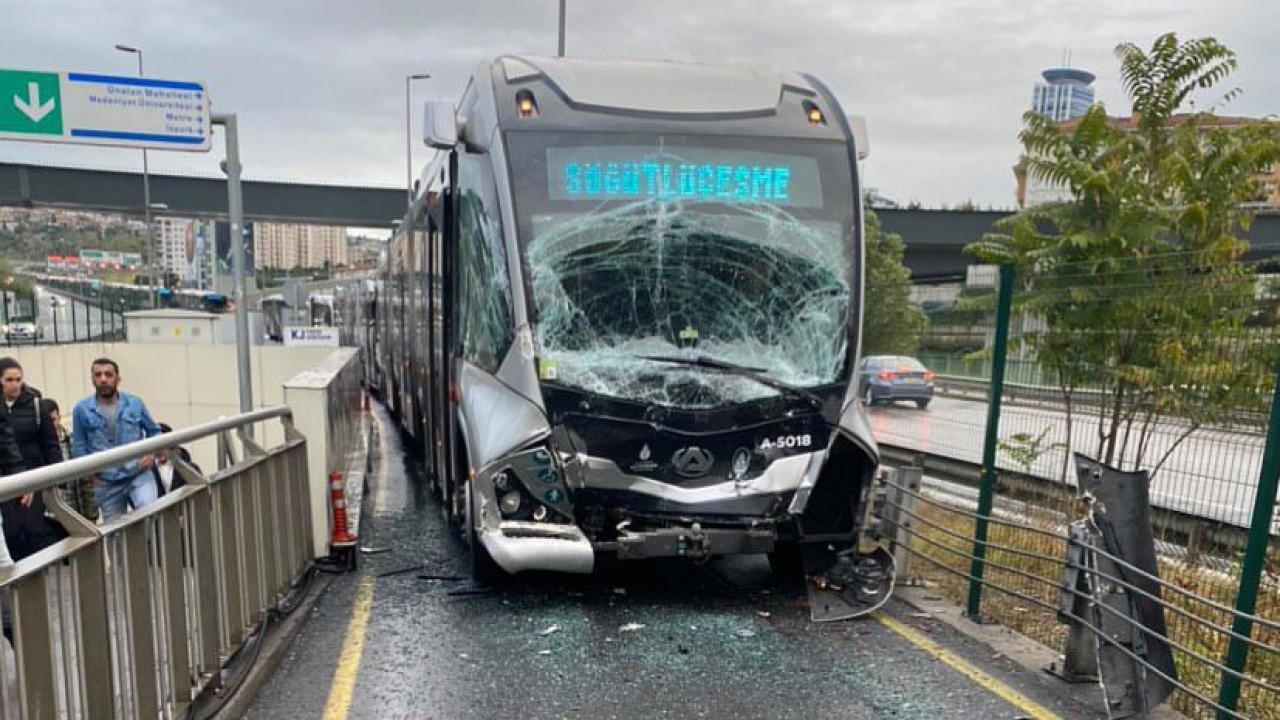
327 408
181 384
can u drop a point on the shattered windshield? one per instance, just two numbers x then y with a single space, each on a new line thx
692 247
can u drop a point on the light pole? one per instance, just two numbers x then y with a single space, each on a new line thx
561 52
148 251
408 146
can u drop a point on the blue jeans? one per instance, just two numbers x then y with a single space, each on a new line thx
136 492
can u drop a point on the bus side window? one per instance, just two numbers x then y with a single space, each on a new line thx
484 292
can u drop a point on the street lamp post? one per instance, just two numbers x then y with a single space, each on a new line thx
147 249
408 146
560 52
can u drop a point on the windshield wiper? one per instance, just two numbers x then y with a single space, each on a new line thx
753 373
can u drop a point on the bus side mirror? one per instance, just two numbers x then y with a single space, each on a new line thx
858 124
440 125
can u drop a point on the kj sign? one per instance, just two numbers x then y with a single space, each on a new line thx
85 108
322 336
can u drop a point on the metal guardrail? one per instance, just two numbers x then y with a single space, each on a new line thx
1050 396
135 617
1201 621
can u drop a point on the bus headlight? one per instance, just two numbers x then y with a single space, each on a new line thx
510 502
530 485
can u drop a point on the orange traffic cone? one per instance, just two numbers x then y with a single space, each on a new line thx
338 497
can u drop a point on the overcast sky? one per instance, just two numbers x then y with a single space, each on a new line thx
319 85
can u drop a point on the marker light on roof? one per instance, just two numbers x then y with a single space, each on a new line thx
525 104
814 113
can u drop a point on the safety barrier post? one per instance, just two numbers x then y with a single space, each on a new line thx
1254 555
338 495
986 489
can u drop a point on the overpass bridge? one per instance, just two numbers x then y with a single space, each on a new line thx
935 239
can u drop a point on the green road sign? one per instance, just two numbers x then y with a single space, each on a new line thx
30 103
92 109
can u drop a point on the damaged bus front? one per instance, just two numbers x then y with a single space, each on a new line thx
656 288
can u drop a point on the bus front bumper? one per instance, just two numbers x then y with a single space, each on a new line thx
518 546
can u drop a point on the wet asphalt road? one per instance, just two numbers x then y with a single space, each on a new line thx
718 641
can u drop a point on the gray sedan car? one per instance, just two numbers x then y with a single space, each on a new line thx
885 378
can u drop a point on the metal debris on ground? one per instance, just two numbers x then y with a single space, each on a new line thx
544 652
853 586
764 614
549 630
472 592
744 633
400 571
367 550
631 627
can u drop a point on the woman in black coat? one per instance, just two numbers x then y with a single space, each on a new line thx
26 529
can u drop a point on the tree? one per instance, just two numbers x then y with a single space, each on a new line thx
891 323
1137 278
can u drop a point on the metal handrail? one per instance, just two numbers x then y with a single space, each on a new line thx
56 474
1209 602
1068 564
1097 632
1264 685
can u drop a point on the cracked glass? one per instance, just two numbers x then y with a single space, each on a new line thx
687 248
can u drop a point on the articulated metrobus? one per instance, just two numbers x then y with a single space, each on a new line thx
621 315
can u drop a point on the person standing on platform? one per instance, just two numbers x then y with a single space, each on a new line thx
110 419
26 528
10 464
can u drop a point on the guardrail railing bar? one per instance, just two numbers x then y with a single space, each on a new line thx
250 543
281 526
269 522
997 547
171 564
138 614
59 473
1057 585
1098 633
34 649
1271 624
204 569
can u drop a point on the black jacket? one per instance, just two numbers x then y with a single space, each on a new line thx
26 529
10 456
36 436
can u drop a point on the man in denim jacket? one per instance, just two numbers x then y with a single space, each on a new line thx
108 419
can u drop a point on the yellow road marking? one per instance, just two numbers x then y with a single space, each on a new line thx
1004 692
344 677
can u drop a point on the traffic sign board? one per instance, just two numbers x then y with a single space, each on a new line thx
94 109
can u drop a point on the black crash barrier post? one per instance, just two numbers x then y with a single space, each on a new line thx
1118 525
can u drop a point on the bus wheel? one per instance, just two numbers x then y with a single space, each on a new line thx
484 571
786 561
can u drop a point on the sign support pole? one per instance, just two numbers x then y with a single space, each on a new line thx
235 212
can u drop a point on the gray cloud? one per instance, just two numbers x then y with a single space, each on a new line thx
319 84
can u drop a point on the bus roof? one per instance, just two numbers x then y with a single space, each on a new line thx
659 86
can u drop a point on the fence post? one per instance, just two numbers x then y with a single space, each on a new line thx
1255 553
986 488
